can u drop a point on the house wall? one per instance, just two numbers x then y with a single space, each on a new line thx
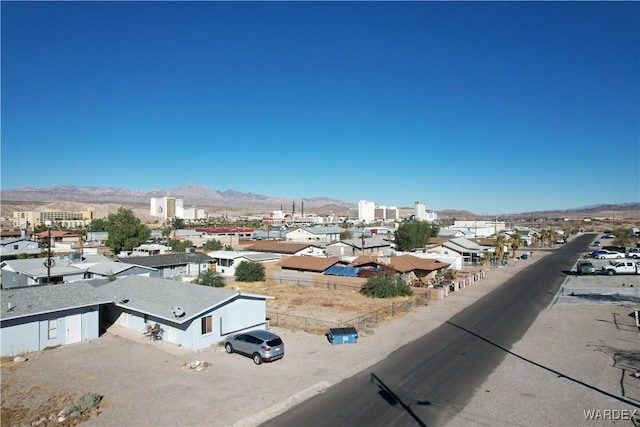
242 313
29 334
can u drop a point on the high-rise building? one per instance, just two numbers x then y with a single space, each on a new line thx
167 207
366 211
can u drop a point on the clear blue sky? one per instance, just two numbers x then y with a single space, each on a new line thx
493 107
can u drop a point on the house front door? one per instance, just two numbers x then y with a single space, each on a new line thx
74 328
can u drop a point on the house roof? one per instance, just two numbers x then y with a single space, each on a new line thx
277 246
251 256
339 270
55 234
437 240
147 295
323 230
463 245
406 263
369 242
40 299
308 263
484 242
167 260
35 267
113 267
365 259
12 240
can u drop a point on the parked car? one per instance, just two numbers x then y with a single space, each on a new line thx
597 243
634 253
585 267
261 346
620 249
608 236
604 254
620 267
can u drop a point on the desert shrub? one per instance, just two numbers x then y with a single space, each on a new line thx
248 271
385 286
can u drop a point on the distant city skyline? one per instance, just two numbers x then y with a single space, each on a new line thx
490 107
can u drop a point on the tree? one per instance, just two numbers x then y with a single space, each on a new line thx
515 241
385 286
623 237
98 224
125 231
210 278
212 245
501 240
179 246
414 234
249 271
346 234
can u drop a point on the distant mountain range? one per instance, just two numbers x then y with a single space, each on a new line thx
192 195
204 197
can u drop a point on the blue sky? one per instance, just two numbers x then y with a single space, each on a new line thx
492 107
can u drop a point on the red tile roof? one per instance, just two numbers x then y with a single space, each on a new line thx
280 247
406 263
308 263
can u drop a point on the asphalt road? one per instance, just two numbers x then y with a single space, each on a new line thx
428 381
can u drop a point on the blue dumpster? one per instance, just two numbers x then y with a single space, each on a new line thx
525 256
347 335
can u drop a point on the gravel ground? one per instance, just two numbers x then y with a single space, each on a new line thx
569 359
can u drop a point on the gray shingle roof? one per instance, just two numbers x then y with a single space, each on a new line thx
166 260
143 294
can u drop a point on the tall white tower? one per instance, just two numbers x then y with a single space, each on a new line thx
366 211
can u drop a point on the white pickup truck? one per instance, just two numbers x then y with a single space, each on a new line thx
620 267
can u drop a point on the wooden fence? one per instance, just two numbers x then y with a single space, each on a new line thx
364 323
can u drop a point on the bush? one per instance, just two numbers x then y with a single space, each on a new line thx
210 278
249 271
385 286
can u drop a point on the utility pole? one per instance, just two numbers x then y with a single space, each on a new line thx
49 262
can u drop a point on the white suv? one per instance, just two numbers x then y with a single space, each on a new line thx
634 253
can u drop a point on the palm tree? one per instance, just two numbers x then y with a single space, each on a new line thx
544 234
515 241
501 240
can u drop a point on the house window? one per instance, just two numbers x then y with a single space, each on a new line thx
207 325
53 329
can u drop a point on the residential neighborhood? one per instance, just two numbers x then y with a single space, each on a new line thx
46 267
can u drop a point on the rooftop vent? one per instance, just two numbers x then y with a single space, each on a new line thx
120 299
177 311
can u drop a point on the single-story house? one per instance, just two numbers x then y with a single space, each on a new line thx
173 266
225 262
10 248
414 269
279 247
471 252
38 271
192 316
355 247
315 234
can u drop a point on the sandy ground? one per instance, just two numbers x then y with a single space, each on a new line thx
573 358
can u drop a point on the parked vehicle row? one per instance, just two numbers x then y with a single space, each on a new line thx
614 252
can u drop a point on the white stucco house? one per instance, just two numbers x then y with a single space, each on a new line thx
192 316
226 262
315 234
